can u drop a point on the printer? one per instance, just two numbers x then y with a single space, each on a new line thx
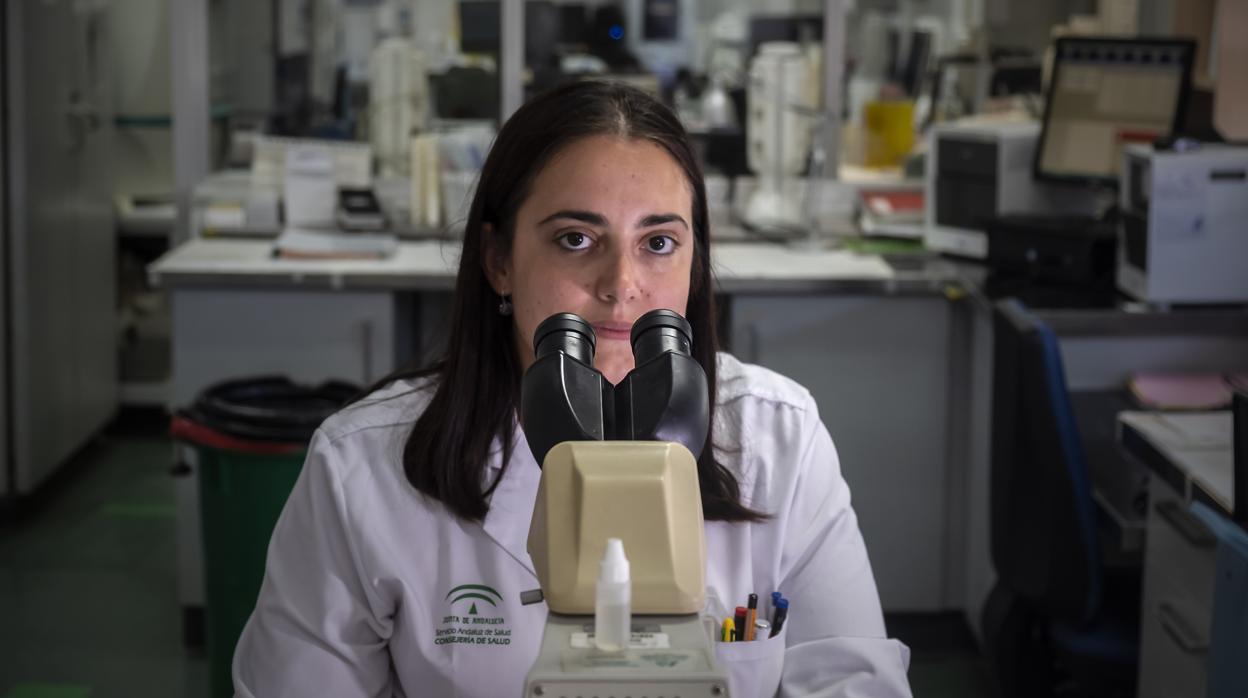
980 170
1184 224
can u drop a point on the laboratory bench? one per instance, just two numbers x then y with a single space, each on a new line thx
895 348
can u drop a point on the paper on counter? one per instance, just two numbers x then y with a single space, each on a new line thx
309 189
1198 430
325 244
760 261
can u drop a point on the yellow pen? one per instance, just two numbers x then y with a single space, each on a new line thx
730 630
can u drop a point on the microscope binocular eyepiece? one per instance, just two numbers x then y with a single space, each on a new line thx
664 398
568 333
654 333
660 331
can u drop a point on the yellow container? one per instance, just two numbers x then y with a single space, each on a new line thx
889 132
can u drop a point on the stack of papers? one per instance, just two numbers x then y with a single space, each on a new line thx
1182 391
304 243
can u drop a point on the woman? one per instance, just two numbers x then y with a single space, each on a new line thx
406 532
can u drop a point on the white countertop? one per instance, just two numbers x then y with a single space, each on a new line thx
1198 444
432 264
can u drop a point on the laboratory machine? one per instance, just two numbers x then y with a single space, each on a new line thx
619 464
1182 226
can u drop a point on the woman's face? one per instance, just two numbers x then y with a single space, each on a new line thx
606 233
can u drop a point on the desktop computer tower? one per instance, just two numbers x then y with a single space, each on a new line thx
979 171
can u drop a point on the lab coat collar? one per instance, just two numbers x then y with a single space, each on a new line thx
511 504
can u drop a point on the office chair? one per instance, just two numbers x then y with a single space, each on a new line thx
1057 620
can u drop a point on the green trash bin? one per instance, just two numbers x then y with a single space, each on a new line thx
251 437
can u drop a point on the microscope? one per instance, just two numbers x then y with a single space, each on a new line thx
620 462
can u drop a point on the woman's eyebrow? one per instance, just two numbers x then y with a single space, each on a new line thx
661 219
583 216
599 220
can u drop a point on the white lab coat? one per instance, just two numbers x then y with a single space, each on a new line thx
364 591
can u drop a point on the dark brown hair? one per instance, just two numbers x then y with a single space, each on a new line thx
477 381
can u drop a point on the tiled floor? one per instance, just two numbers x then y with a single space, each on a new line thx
944 660
88 605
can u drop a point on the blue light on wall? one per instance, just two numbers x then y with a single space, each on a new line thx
616 32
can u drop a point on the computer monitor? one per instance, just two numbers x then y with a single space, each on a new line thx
660 20
908 68
764 28
573 24
1105 93
479 26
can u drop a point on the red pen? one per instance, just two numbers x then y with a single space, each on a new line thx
739 622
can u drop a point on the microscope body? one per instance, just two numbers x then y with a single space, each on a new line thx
620 461
643 492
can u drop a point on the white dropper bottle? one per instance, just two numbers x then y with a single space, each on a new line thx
613 610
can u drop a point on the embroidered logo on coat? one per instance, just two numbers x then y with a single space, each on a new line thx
474 617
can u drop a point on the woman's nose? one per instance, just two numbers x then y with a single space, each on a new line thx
618 281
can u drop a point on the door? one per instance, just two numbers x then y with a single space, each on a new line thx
6 459
93 237
61 265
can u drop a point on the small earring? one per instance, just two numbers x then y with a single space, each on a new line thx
504 305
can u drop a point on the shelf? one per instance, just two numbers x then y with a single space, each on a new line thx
145 394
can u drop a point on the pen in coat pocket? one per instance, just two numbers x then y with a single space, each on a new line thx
782 612
751 616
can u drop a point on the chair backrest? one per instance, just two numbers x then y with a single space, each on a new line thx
1228 636
1044 539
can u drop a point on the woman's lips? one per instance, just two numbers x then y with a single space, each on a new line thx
613 331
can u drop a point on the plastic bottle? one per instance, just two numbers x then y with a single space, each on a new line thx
613 609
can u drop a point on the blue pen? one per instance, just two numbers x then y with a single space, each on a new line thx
782 612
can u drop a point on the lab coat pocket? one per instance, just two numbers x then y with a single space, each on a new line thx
753 668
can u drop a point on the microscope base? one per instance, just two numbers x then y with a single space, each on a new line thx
670 655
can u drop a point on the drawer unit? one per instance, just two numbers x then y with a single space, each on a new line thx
1176 610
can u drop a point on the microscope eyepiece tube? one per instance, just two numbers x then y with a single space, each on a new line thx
566 332
660 331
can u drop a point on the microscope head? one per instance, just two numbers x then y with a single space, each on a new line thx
618 462
562 396
664 397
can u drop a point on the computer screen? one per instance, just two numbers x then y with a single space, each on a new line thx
480 28
764 28
907 65
1105 94
479 23
573 24
660 20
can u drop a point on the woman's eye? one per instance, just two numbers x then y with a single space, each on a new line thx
661 244
575 241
